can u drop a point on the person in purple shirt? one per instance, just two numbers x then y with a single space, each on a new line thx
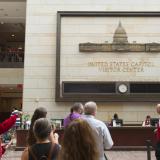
75 113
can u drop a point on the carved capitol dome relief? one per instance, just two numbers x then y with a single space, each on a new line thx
120 35
120 44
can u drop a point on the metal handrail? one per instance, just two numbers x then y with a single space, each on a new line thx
149 145
105 157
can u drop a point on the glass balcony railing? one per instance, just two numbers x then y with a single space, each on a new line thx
11 59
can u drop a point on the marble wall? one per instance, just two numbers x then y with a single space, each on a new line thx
11 76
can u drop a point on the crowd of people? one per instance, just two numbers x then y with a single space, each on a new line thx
12 57
85 137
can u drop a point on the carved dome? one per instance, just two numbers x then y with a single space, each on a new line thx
120 35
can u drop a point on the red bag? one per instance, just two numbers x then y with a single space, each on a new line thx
3 149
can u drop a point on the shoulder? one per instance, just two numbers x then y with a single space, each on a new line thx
95 122
101 126
75 116
66 119
101 123
25 154
55 149
55 146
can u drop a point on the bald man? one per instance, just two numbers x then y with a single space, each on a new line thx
100 130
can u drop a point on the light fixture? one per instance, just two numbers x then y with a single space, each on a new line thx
12 35
20 47
2 22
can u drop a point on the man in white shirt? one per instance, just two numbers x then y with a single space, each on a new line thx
101 132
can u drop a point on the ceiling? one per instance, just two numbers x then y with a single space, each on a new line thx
12 21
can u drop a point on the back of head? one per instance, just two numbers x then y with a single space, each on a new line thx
148 117
115 116
77 107
90 108
40 112
78 142
42 128
13 109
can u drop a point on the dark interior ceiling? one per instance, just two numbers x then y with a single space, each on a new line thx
12 32
12 21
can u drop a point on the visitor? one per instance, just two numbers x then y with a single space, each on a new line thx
78 142
40 112
5 126
44 148
147 122
116 122
157 131
18 120
75 112
101 132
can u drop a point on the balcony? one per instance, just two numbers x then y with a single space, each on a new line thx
12 59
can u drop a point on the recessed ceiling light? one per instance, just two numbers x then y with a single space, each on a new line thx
12 35
20 48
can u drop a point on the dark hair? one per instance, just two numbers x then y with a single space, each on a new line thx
78 142
115 116
148 116
40 112
42 128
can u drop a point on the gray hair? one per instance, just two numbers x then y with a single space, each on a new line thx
90 108
78 107
42 128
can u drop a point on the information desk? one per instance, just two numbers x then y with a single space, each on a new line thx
125 138
21 138
132 138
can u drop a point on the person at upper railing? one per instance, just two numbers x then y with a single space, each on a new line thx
147 122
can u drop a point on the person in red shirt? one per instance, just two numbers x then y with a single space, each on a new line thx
4 127
157 131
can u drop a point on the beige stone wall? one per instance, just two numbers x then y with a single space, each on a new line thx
40 53
11 76
108 66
